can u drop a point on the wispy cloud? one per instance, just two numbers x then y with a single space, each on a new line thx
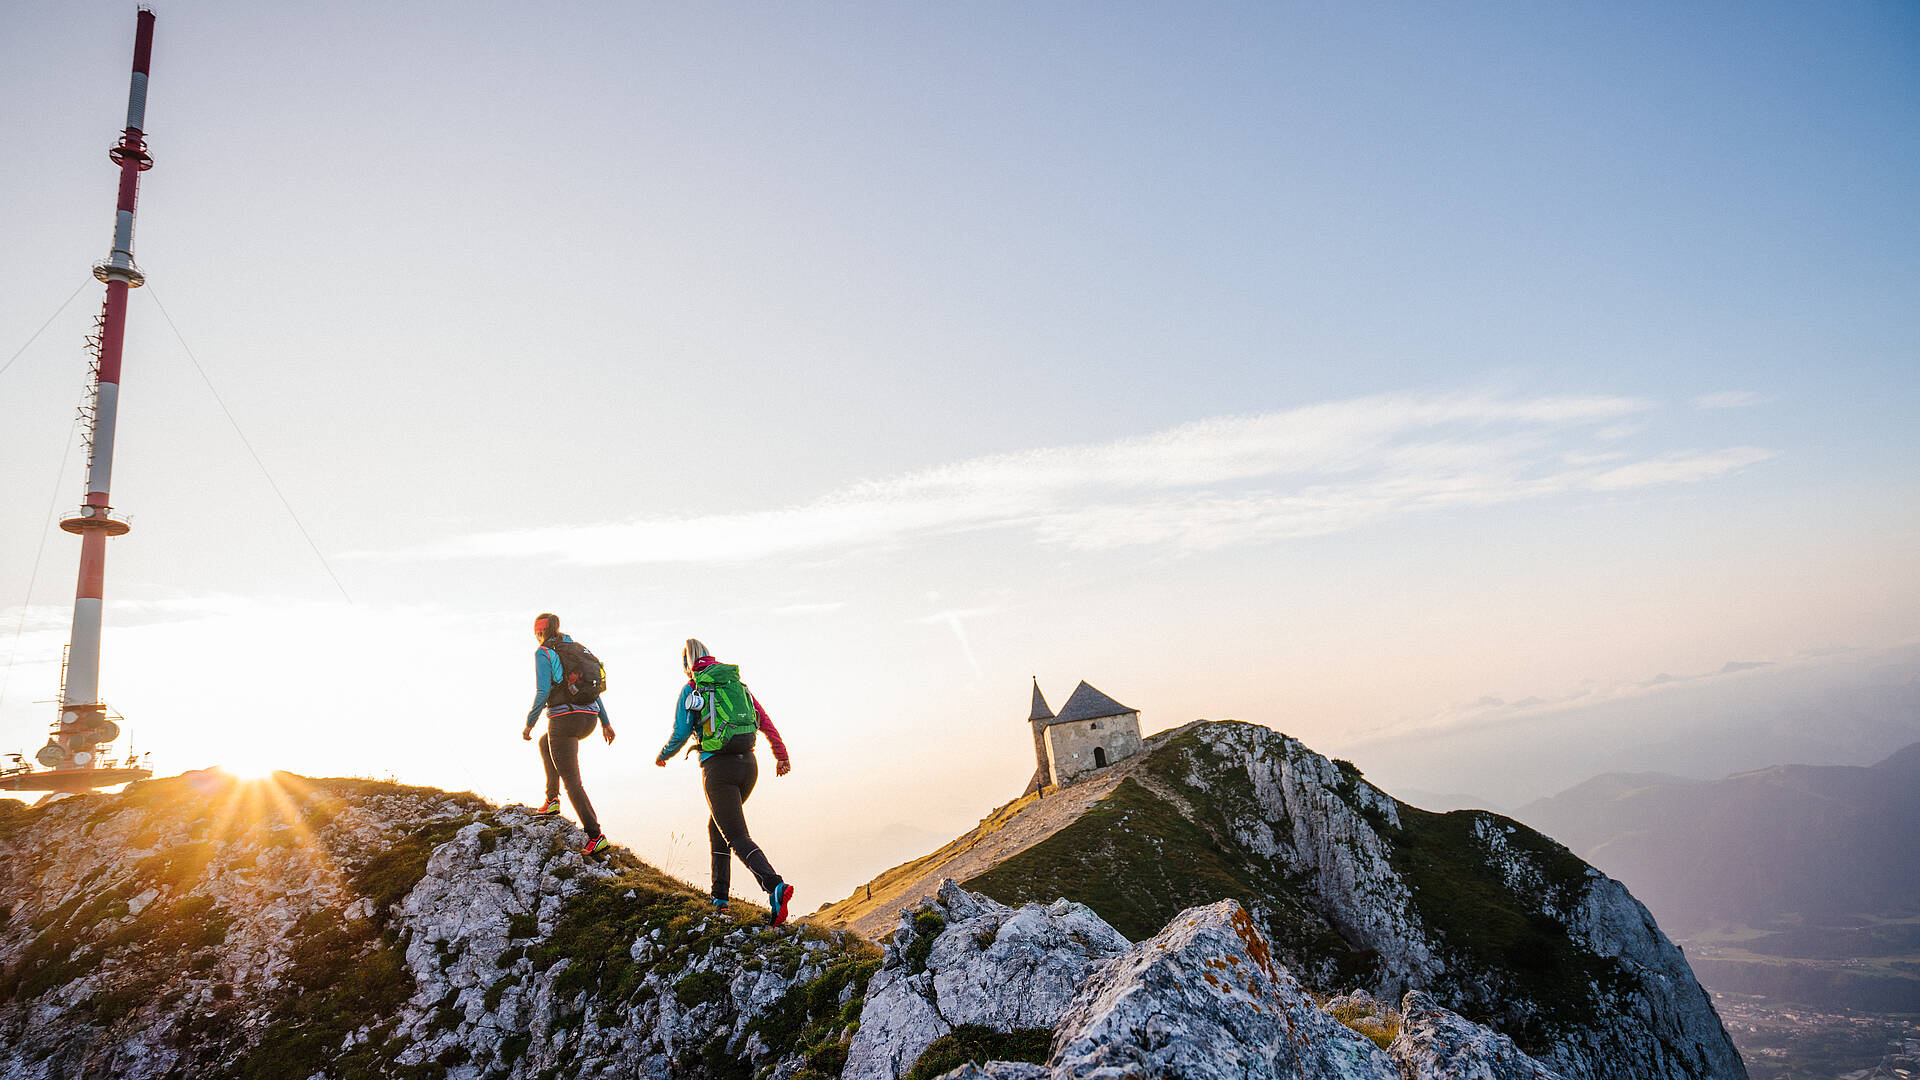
1728 399
1200 486
1680 468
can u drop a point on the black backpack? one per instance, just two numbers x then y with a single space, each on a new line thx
583 678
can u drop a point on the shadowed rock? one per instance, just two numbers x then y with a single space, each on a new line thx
1438 1044
965 959
1205 1001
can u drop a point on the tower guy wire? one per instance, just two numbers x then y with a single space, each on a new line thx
53 507
21 351
248 443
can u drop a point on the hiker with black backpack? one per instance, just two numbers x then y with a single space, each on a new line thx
718 708
567 681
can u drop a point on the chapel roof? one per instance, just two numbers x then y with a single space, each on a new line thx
1086 703
1040 709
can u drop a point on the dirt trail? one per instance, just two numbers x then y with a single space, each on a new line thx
874 909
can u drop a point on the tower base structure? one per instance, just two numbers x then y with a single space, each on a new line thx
69 781
76 756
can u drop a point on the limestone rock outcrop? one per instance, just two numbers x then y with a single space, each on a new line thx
964 959
1204 1001
1354 889
221 928
337 929
1438 1044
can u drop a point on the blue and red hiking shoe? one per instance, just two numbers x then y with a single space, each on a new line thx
777 903
719 904
550 808
594 844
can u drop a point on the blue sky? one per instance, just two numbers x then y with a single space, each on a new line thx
1331 368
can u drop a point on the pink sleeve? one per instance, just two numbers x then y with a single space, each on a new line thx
766 726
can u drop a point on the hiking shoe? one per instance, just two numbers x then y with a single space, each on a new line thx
719 903
550 808
777 903
594 844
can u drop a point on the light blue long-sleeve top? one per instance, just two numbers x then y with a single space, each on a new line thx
547 672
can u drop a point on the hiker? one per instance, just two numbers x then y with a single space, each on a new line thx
567 680
719 710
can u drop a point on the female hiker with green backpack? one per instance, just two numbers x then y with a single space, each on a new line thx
718 709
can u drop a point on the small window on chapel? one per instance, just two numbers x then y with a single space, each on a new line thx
1094 726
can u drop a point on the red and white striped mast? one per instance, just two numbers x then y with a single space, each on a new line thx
72 755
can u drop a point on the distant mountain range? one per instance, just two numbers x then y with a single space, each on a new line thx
1796 880
1820 841
1851 709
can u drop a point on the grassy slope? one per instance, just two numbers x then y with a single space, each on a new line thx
1138 860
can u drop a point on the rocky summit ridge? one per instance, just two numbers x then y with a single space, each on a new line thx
206 926
1353 889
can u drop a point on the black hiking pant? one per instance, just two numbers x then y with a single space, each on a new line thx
729 779
560 753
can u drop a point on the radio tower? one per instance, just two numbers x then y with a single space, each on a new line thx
73 758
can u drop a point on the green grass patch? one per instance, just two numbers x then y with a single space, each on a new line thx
1539 982
1378 1024
1138 861
70 943
810 1014
599 924
14 816
392 873
974 1044
179 867
349 975
700 988
927 926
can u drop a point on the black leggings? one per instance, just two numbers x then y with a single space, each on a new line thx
729 779
560 753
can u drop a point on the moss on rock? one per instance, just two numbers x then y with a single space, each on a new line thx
391 873
14 816
977 1045
1540 981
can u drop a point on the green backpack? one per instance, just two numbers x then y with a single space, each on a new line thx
722 705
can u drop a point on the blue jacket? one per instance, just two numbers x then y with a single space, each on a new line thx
546 672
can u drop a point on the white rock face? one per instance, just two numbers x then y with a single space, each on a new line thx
1204 1001
1645 1017
174 931
1437 1044
992 965
162 918
457 922
998 1070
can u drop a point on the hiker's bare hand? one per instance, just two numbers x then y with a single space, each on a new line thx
783 768
660 761
526 734
607 734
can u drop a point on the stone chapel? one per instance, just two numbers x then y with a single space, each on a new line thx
1092 732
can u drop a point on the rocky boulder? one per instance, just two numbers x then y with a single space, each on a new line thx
1205 1001
965 960
1438 1044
